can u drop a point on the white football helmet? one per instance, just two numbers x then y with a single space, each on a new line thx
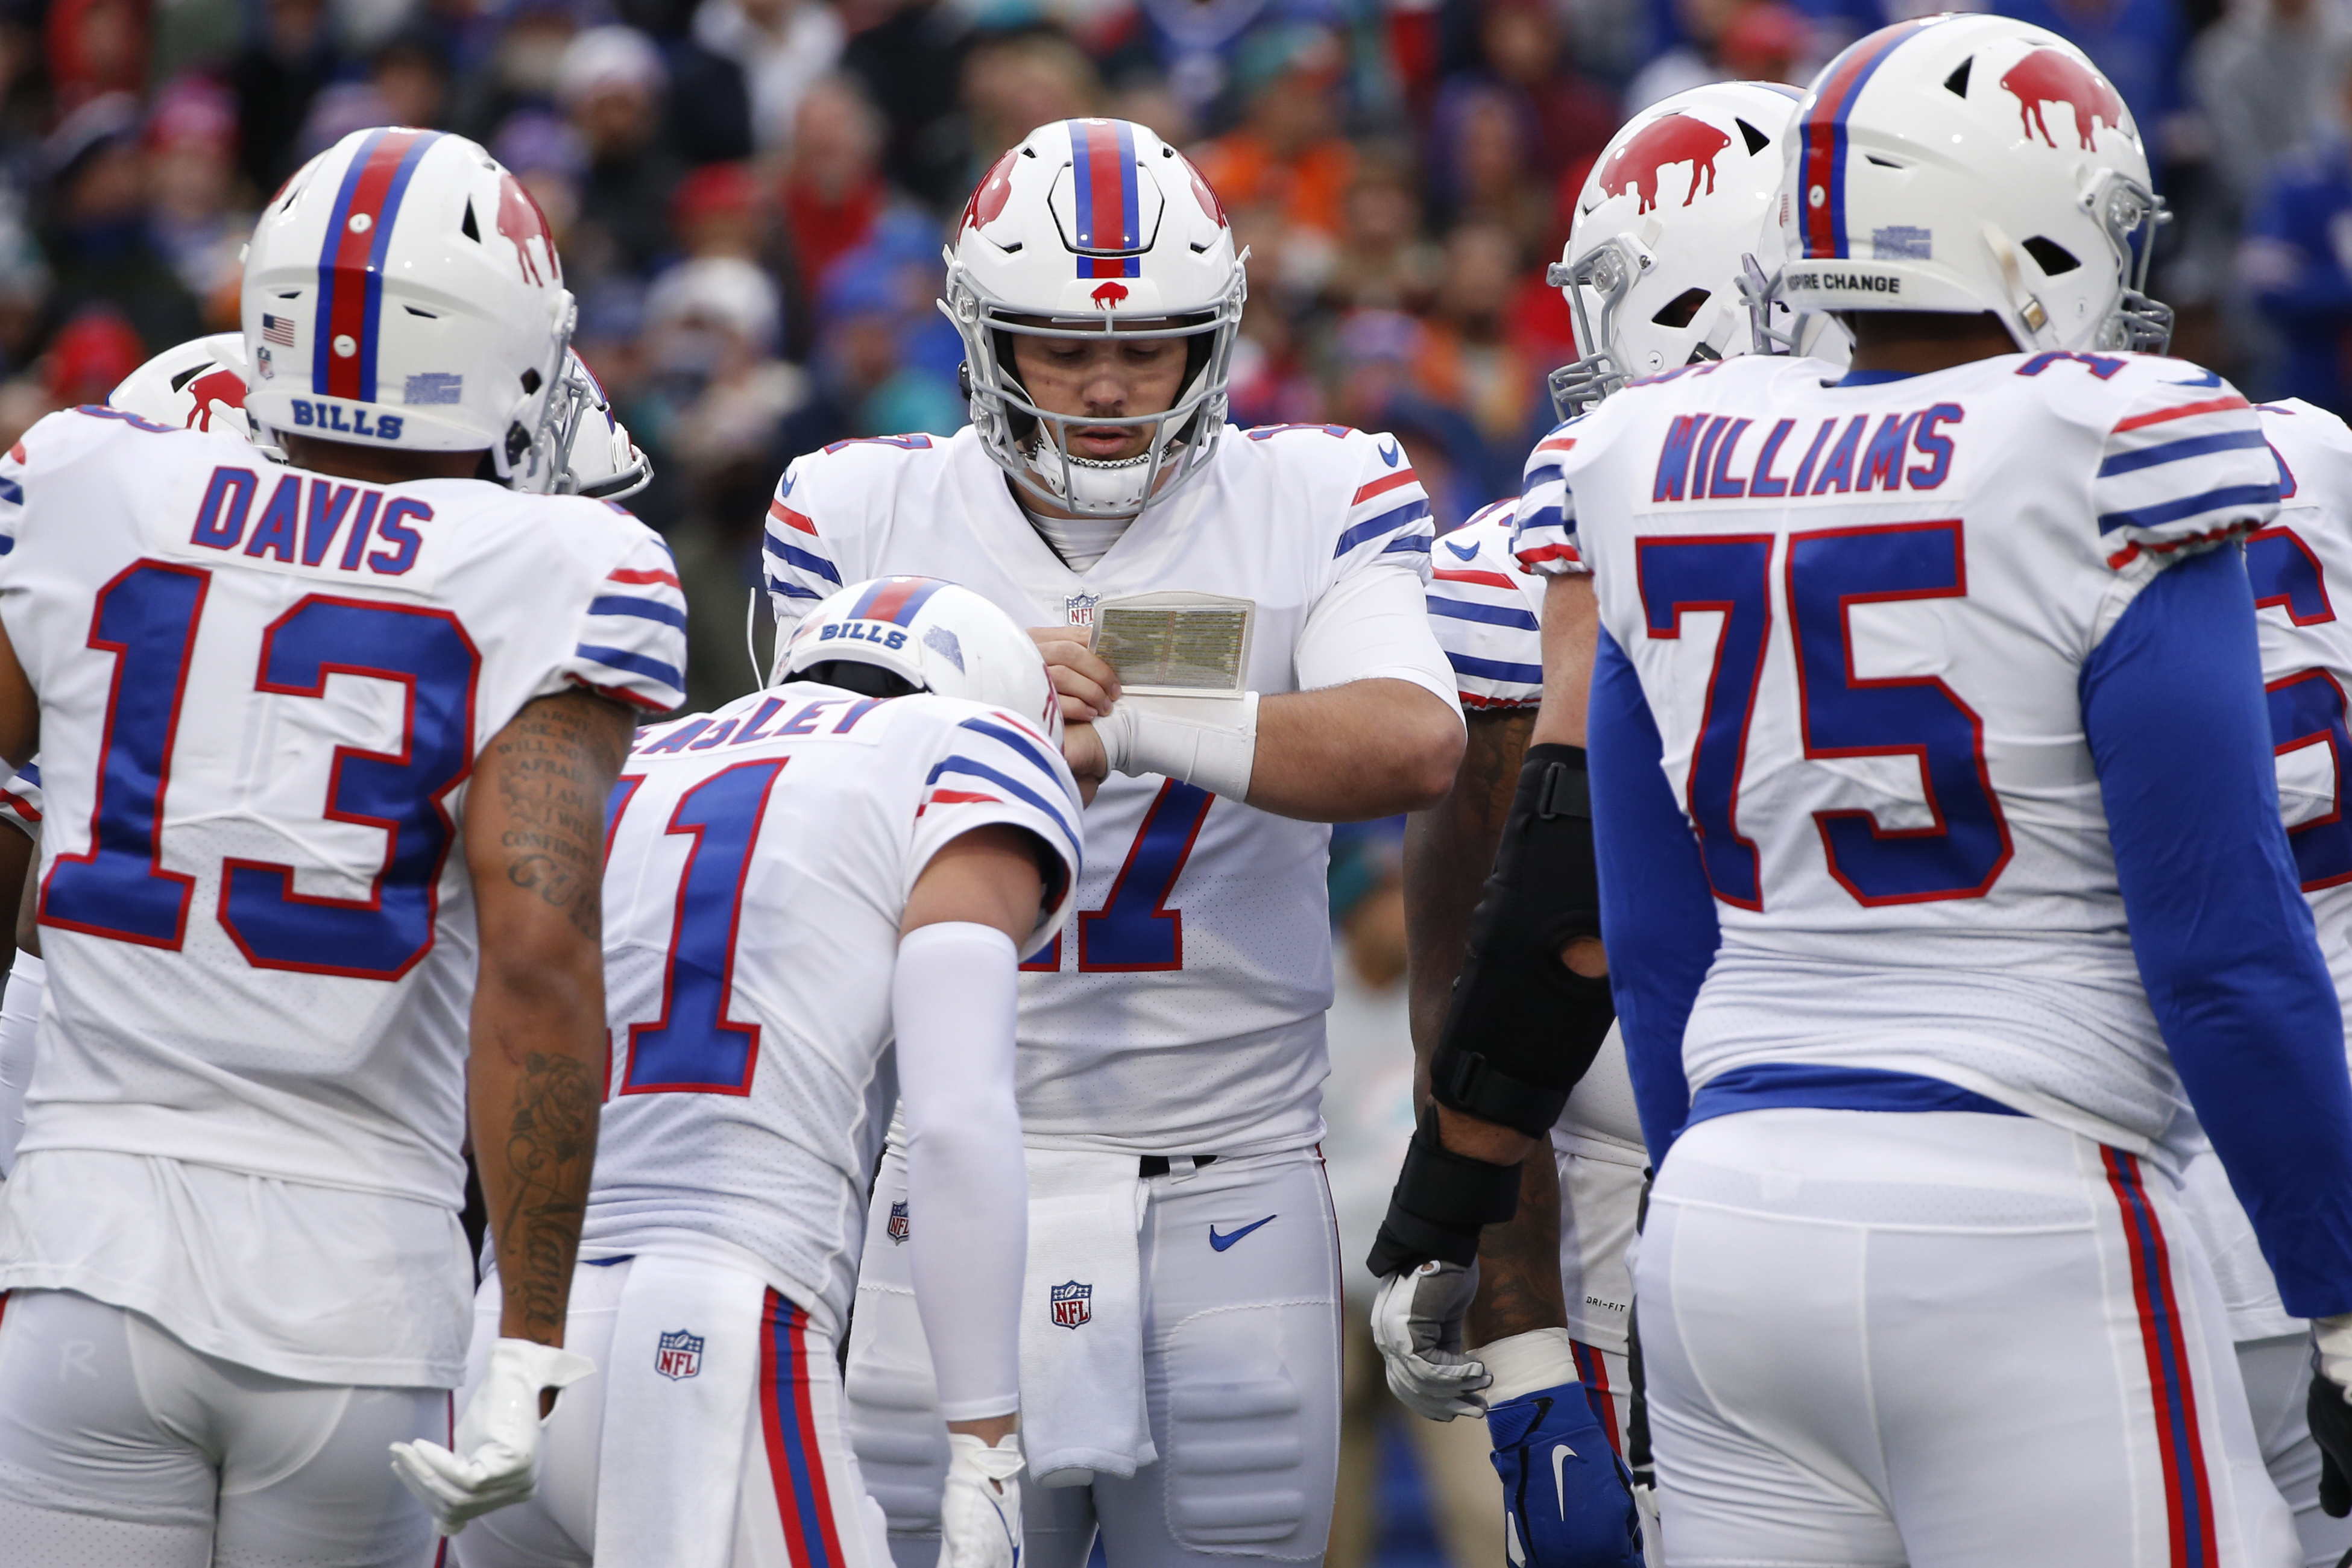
1665 267
1974 164
401 290
593 452
1092 226
199 385
934 636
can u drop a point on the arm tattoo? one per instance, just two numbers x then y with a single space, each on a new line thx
554 765
1449 850
1519 1262
550 1147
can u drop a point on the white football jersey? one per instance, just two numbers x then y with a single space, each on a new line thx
2298 564
1483 610
262 693
1181 1009
1867 699
759 864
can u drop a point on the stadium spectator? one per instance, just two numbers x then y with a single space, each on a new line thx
611 85
782 46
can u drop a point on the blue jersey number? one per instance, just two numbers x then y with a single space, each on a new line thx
116 888
1963 851
1135 930
693 1047
381 936
2307 707
1733 577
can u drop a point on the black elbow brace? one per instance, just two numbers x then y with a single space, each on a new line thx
1524 1027
1441 1200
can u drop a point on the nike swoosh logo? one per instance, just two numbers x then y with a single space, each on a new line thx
1469 554
1222 1242
1388 453
1560 1454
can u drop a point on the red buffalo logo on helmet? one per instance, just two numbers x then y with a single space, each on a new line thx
1671 139
2050 76
520 220
1108 296
215 385
988 197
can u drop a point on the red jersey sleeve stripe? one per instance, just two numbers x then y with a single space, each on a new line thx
1557 444
2183 410
640 578
791 518
1381 486
1486 579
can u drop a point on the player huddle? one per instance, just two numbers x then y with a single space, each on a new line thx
1880 823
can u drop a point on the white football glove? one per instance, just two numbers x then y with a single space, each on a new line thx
496 1461
1417 1324
980 1518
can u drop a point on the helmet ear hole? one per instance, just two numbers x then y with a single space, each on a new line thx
2052 257
1678 311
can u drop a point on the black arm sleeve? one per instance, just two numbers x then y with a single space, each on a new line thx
1524 1027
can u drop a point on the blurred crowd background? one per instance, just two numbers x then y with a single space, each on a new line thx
750 195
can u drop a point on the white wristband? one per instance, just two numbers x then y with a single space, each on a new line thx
2332 1340
1523 1362
1211 742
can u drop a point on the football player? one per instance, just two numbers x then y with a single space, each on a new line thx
1907 683
2297 563
794 880
200 385
1670 240
326 747
1180 1337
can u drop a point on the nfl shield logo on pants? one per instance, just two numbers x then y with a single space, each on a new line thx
897 1222
1072 1304
678 1356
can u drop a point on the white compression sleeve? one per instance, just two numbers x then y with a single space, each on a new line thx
1374 625
20 1010
952 1000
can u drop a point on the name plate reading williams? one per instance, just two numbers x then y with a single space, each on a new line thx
1177 644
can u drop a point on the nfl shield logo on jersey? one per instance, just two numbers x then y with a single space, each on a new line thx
679 1355
897 1222
1080 607
1072 1304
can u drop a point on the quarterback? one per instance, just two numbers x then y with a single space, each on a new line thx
325 744
1235 621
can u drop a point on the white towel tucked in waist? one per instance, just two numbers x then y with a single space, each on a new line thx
1082 1320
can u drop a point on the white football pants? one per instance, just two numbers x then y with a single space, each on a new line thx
122 1448
1946 1340
710 1436
1241 1374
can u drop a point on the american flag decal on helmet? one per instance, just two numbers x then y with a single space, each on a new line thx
1102 169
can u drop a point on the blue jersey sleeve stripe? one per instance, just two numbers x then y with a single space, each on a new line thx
1013 739
789 589
1408 544
806 560
31 774
2166 512
669 676
2174 451
645 608
1494 669
1386 522
1492 614
1006 781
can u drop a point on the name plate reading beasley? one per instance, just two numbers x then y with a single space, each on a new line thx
1177 644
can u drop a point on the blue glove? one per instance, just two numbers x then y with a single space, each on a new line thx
1567 1500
